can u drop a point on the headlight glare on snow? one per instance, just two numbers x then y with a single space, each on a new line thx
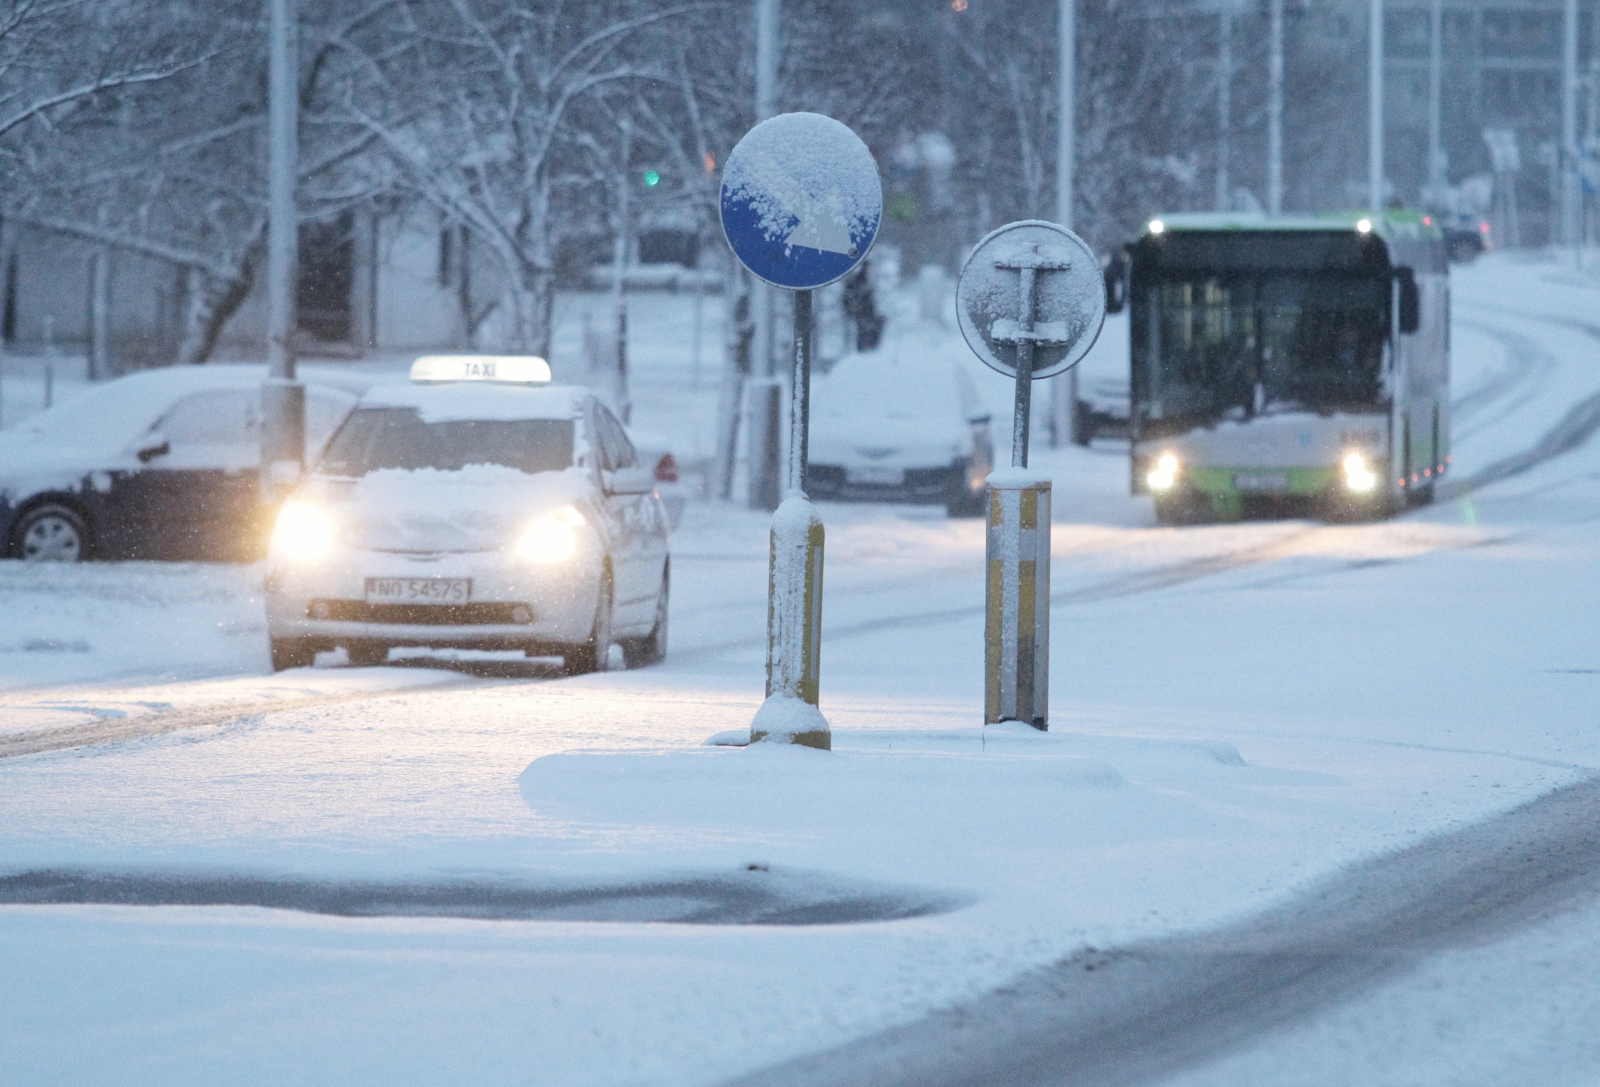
1358 474
1165 474
303 532
553 537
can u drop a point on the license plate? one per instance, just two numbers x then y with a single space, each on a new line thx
419 590
893 476
1261 481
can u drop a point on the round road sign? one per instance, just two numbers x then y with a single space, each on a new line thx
1032 284
801 200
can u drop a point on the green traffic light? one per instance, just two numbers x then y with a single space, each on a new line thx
651 178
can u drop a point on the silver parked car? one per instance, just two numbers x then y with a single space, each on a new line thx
902 423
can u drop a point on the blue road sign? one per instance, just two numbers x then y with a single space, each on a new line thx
801 200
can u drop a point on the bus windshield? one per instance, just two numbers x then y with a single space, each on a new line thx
1232 345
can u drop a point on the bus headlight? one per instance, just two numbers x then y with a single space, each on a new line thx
553 537
1165 474
1358 474
303 533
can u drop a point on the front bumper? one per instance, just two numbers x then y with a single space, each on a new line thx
917 485
325 600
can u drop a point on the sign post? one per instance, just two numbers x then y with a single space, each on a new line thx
801 204
1030 302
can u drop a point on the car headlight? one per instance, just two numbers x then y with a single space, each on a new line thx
1165 474
304 532
1358 474
553 537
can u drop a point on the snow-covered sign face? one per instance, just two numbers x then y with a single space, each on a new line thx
801 200
1045 270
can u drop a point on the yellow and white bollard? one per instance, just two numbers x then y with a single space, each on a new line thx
794 631
1017 632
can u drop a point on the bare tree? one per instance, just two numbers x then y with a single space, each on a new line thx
474 102
174 169
1135 77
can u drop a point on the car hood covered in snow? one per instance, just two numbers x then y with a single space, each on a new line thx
479 508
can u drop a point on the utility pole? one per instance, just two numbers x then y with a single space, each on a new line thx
283 398
1592 146
766 391
1374 103
1569 130
1066 134
1224 106
1064 394
1275 109
619 286
1436 178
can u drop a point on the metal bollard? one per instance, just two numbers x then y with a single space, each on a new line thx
794 631
1017 634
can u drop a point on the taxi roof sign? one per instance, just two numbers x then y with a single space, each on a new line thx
505 369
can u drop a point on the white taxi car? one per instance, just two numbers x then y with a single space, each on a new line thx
477 506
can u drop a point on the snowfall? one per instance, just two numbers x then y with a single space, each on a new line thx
1237 713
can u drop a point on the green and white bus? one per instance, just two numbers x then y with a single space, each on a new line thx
1289 365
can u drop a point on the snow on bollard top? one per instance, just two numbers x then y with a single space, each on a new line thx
801 200
1069 298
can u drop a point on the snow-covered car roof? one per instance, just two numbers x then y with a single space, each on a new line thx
475 400
114 412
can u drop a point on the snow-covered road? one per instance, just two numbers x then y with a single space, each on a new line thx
1237 711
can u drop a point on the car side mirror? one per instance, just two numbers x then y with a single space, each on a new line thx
630 481
1410 301
151 446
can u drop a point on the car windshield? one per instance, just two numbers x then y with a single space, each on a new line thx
377 438
1227 346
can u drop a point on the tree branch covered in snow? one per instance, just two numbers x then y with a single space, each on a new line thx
479 110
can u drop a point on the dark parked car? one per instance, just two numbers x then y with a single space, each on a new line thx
160 464
1465 238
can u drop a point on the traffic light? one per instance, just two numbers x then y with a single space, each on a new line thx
651 179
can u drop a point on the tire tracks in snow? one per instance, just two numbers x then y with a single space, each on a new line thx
1573 430
1142 581
1530 362
108 730
1143 1013
116 730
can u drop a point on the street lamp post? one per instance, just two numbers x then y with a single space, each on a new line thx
282 397
1224 106
1374 104
1436 179
1275 109
766 391
1569 129
1064 395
